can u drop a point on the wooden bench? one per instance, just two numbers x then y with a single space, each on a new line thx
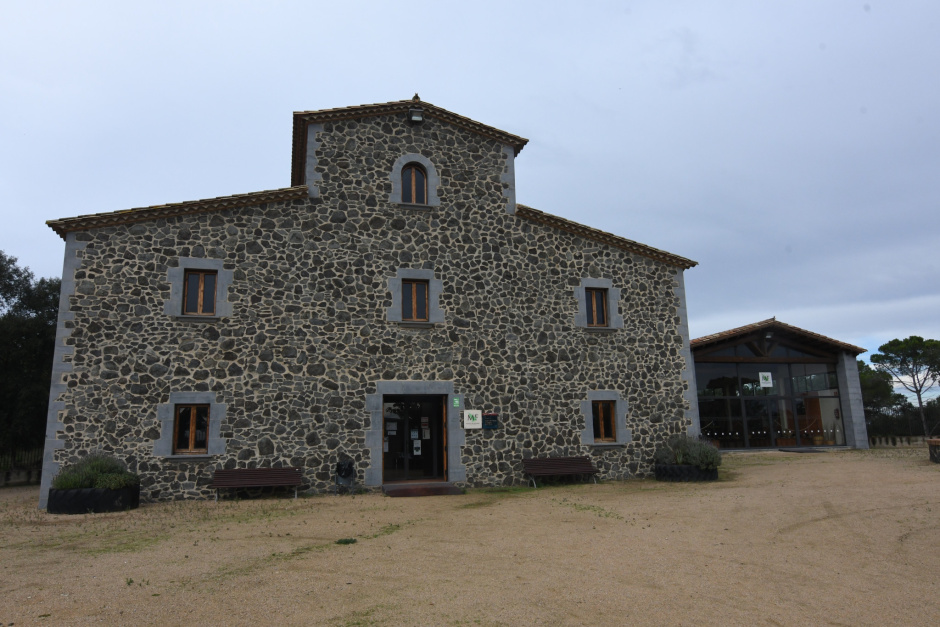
558 467
257 478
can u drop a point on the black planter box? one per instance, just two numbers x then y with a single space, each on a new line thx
933 446
680 472
92 500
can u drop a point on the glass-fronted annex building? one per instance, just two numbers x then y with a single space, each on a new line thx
770 384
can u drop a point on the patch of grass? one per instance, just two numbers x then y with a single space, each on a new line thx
495 495
508 490
362 617
247 566
597 510
346 541
385 531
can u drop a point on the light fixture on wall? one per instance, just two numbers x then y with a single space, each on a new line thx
416 115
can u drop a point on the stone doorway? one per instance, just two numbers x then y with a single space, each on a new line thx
414 438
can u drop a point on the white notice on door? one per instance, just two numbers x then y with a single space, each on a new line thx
417 449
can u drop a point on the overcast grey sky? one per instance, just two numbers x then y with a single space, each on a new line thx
791 148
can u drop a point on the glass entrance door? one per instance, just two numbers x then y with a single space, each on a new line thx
414 438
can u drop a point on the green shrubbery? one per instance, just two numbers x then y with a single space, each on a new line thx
683 449
96 471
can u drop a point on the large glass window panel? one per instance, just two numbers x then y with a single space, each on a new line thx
750 379
795 352
724 352
810 421
783 422
721 422
716 379
814 378
757 422
831 418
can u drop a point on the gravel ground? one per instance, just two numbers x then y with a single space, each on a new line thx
840 538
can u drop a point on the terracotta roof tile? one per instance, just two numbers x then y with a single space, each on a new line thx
705 340
603 237
128 216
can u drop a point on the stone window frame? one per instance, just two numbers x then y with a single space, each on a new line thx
614 319
432 180
622 434
177 278
435 289
166 417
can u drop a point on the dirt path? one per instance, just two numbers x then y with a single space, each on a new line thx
846 538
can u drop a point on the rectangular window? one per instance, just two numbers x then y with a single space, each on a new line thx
596 307
199 293
414 301
191 429
604 421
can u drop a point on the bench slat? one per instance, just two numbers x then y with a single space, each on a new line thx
558 466
256 478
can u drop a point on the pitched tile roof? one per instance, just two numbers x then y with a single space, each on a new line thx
128 216
303 118
603 237
773 323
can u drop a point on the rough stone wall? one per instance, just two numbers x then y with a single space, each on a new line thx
308 337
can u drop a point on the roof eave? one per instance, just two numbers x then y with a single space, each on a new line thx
730 334
64 226
603 237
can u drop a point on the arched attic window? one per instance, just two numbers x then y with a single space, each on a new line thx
414 184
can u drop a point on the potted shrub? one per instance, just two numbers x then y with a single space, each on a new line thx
684 458
94 484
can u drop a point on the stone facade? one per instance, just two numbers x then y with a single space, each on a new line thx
303 338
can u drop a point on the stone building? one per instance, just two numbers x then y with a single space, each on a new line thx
356 315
